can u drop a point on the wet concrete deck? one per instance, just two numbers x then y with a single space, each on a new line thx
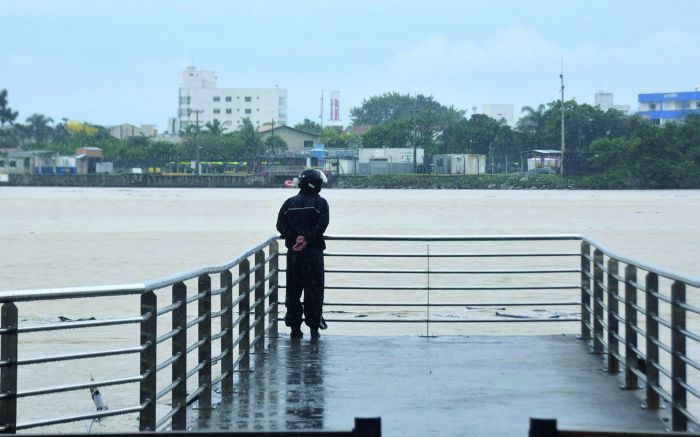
467 386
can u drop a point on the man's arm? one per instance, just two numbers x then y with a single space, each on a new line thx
282 225
316 232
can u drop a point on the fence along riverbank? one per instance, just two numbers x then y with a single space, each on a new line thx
161 331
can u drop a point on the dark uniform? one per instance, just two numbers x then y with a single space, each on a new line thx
304 215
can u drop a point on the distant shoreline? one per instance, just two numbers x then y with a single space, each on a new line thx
514 181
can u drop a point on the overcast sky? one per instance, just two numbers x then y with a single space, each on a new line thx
111 62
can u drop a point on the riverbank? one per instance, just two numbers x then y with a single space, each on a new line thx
407 181
514 181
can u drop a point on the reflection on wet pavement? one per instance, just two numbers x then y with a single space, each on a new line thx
284 392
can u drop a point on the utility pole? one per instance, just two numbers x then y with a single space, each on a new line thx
320 117
563 142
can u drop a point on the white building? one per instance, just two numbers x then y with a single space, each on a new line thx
606 101
499 111
201 101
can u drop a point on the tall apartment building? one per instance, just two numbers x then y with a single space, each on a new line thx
661 108
606 101
201 101
499 111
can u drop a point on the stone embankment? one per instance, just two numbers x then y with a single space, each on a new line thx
404 181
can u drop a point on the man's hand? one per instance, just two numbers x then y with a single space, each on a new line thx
300 244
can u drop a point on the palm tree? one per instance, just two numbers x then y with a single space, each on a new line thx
214 127
532 123
38 128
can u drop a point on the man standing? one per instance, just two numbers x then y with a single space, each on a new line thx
302 220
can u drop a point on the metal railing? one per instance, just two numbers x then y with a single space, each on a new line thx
455 282
611 309
196 362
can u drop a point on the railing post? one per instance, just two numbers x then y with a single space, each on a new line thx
244 314
149 313
260 302
204 328
179 349
652 310
585 290
613 311
679 422
8 374
631 358
598 347
274 293
227 338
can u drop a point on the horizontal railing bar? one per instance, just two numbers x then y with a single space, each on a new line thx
637 285
690 335
663 393
194 371
661 370
694 364
169 308
255 286
79 324
168 362
269 309
447 255
270 291
182 277
505 320
194 395
195 321
238 360
75 387
617 337
78 418
67 357
660 345
534 237
688 415
618 356
662 322
694 282
163 420
218 291
219 378
196 297
689 307
217 358
688 388
423 305
219 313
169 335
270 274
219 334
255 323
447 288
238 339
195 345
240 299
256 339
255 303
660 296
453 272
168 389
239 279
70 292
237 320
270 257
255 268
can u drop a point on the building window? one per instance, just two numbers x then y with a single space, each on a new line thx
228 110
238 109
228 98
217 98
308 143
697 105
248 111
248 99
13 164
257 97
258 110
217 111
652 106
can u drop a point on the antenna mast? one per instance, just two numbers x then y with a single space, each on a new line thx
563 142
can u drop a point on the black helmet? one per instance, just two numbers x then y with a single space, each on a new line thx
311 179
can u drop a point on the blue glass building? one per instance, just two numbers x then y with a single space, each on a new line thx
661 108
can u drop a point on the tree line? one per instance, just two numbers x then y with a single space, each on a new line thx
605 149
